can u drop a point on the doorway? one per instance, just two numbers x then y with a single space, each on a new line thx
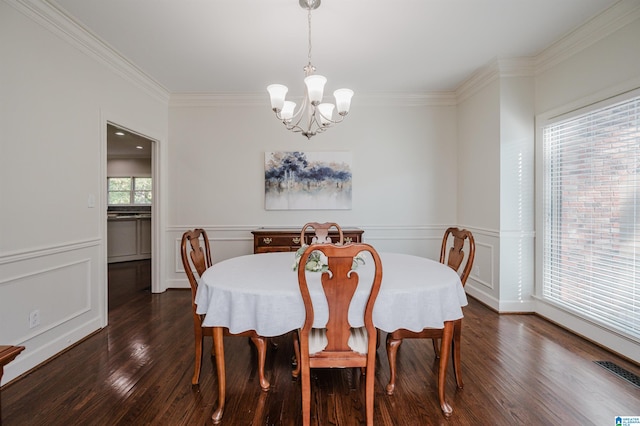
130 160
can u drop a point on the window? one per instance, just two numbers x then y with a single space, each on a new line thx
591 230
129 190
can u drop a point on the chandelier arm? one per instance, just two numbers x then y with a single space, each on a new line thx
287 123
298 115
313 120
293 127
296 118
330 120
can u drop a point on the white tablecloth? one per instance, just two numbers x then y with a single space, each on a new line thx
260 292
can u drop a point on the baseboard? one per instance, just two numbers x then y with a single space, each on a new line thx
35 356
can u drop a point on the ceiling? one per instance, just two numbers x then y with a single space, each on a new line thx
126 145
370 46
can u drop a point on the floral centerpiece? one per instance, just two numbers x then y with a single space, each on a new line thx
317 261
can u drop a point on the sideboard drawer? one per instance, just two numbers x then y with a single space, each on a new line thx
271 240
275 240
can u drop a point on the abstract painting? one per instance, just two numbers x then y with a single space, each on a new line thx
307 180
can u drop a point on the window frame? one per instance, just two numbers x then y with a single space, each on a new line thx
132 191
592 328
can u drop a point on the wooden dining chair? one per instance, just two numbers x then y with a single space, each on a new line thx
338 345
194 257
321 233
451 254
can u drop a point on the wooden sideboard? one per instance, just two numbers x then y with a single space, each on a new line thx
7 354
267 240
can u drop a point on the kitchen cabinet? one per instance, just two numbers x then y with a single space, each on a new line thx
128 238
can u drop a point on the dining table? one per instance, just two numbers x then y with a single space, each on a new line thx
260 292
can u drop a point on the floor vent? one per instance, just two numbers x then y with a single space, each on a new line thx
619 371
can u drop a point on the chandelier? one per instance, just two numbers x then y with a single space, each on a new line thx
313 116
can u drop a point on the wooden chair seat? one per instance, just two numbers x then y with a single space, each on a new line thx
358 340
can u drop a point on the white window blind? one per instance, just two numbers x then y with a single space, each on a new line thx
591 236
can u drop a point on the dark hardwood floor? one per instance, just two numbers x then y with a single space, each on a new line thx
517 370
127 279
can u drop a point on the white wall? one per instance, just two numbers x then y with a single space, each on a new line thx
479 157
607 66
126 167
404 172
495 189
516 193
57 95
478 189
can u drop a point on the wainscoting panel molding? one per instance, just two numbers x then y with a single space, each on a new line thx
69 283
50 298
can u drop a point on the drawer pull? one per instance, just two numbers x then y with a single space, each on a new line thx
296 240
347 240
267 240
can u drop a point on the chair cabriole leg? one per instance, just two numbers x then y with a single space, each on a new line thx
392 350
261 346
445 348
457 335
199 338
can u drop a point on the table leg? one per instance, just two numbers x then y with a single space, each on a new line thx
445 349
218 347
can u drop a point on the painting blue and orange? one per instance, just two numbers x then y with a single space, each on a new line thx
307 180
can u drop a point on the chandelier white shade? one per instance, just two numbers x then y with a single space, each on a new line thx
312 116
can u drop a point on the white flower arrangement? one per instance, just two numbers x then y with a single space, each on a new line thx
317 261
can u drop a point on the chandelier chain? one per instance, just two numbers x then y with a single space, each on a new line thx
309 28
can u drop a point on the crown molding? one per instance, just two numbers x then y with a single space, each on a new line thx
47 14
53 18
494 70
200 100
206 99
441 98
602 25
